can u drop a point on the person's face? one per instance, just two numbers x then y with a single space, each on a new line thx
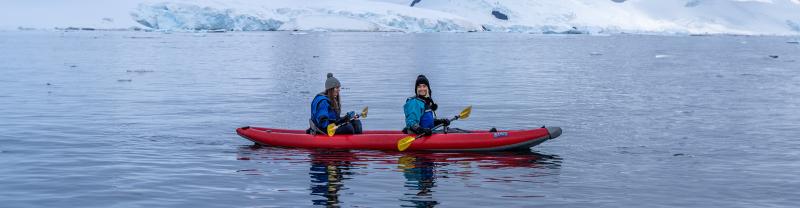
336 92
422 90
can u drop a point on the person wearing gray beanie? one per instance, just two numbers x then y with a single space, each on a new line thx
326 109
331 82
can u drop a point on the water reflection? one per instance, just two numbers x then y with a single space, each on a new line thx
420 178
420 169
330 169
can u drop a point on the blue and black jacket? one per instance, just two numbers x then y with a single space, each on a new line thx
418 112
322 113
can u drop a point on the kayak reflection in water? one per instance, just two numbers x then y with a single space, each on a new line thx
420 177
326 109
328 170
420 110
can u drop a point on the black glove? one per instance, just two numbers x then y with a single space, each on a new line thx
443 121
422 131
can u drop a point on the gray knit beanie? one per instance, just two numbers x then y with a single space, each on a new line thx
331 82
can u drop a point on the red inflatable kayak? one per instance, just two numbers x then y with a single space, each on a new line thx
387 140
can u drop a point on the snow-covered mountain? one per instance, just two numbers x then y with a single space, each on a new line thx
750 17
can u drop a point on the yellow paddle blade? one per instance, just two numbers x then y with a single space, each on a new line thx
465 113
364 112
405 142
331 129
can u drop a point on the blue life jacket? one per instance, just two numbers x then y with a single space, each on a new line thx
322 113
418 112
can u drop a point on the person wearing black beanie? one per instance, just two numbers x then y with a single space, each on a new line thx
420 109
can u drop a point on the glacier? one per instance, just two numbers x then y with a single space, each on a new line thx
741 17
347 15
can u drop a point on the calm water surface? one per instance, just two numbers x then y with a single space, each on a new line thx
137 119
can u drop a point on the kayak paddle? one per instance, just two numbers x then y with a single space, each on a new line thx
332 127
405 142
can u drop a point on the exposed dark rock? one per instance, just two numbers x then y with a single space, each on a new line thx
499 15
415 2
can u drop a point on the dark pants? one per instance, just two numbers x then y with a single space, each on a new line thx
353 127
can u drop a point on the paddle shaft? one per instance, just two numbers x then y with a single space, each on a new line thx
348 121
436 127
332 131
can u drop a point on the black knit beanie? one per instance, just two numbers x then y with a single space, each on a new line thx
421 79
